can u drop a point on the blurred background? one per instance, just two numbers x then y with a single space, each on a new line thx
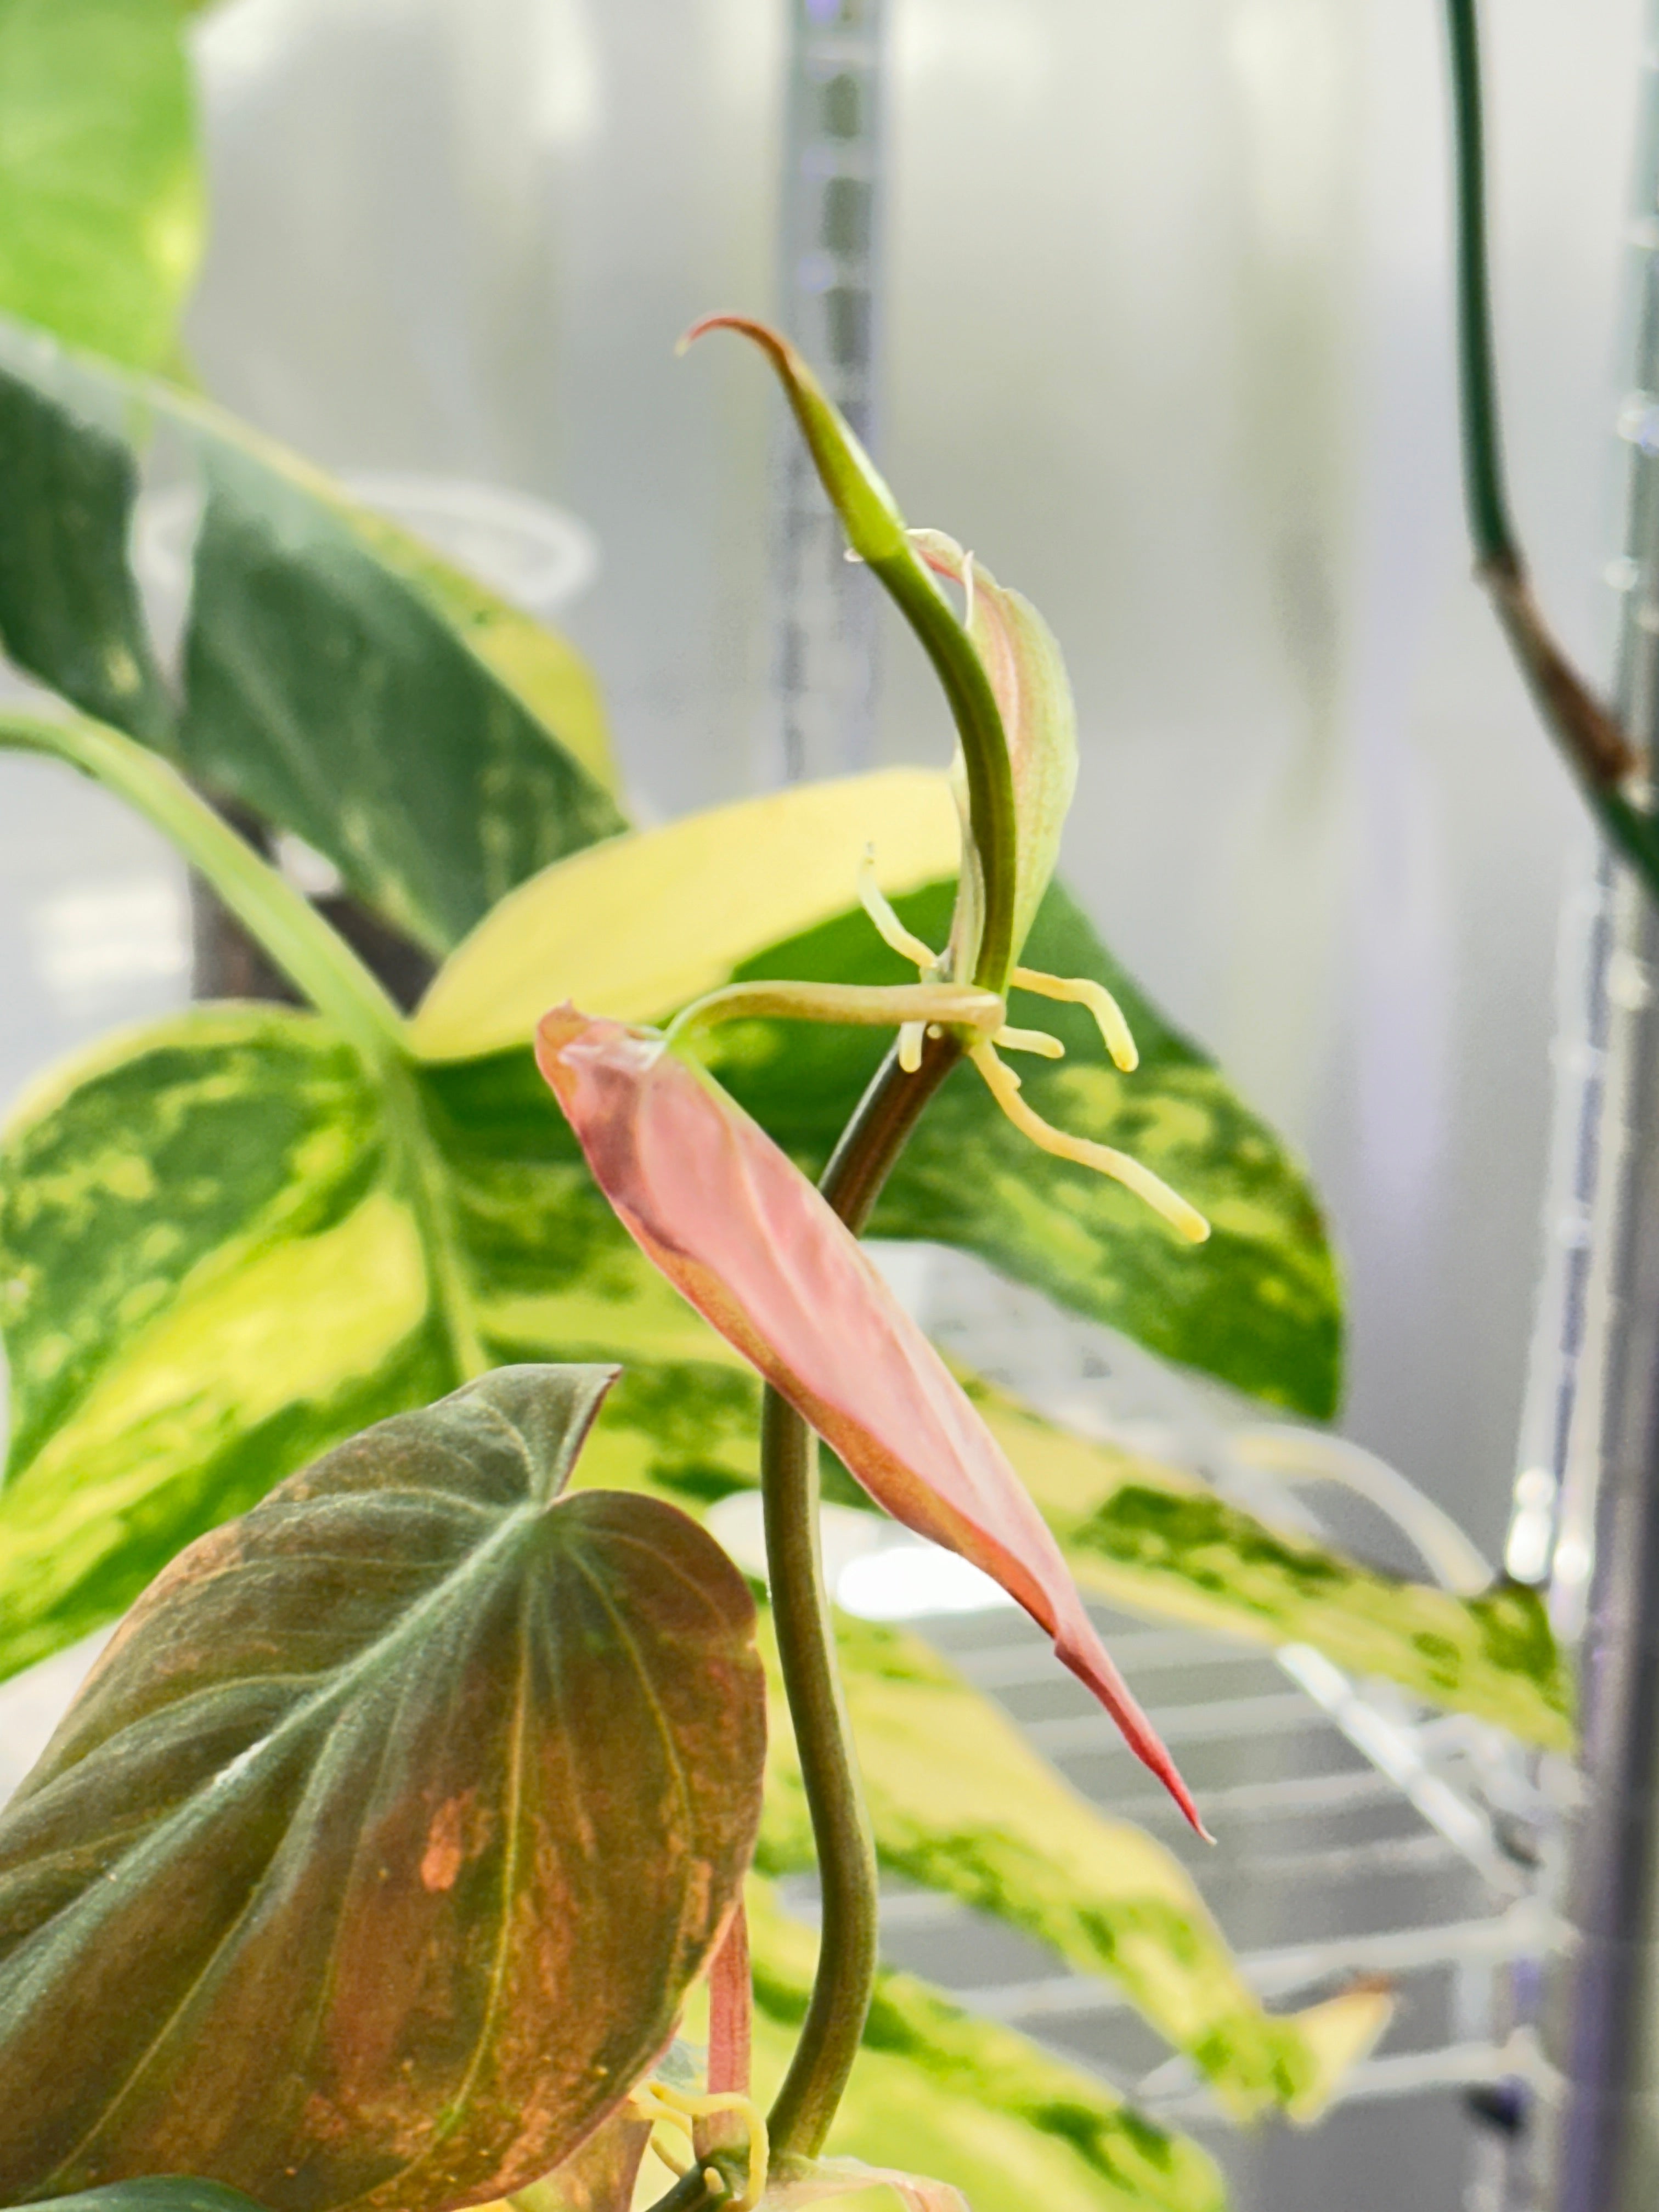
1161 330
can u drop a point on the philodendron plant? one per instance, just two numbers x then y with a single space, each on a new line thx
411 1842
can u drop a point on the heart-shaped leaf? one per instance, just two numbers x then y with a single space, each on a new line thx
745 1238
372 1862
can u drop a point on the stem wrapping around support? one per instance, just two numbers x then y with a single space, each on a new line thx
842 1987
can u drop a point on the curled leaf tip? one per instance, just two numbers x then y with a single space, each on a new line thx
749 327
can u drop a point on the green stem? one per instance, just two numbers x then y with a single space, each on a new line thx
1484 487
991 815
1596 748
876 531
845 1976
319 964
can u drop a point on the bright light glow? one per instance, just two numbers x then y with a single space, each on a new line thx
906 1582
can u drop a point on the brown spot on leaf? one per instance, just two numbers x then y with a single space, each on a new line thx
458 1834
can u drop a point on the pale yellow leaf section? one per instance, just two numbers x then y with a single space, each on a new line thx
1339 2032
297 1322
654 1324
636 926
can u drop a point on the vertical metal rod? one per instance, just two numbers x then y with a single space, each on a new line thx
824 609
1600 2147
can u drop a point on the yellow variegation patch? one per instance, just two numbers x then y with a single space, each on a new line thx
208 1269
1162 1543
643 924
939 2092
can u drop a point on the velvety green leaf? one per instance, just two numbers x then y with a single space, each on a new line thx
960 1803
339 678
938 2091
100 191
372 1862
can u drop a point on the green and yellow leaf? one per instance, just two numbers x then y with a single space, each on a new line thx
339 678
635 928
207 1276
939 2091
961 1804
1145 1536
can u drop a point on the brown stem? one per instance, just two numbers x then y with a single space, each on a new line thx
1587 732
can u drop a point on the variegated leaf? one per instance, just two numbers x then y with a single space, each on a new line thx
960 1803
207 1273
372 1862
937 2091
1144 1535
339 677
211 1266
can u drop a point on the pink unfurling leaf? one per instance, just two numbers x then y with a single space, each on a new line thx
749 1242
